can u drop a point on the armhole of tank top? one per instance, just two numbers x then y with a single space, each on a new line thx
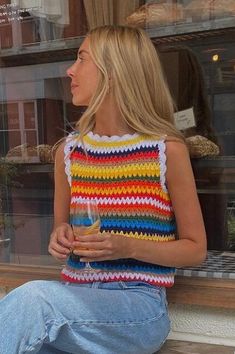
162 162
70 142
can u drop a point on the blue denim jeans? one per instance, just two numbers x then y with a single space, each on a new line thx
49 317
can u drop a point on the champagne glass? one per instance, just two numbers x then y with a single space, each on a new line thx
85 220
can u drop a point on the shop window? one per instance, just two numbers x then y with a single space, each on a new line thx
195 41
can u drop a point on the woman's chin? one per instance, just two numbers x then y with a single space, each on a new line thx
78 102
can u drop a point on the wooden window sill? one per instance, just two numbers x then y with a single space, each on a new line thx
187 290
203 291
13 275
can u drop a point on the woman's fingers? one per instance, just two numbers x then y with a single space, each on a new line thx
101 247
65 236
59 248
57 251
69 236
57 255
88 243
92 249
91 255
91 238
61 241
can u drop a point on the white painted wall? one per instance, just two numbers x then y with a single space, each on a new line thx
202 324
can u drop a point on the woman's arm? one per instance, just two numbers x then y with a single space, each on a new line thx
189 249
62 189
62 236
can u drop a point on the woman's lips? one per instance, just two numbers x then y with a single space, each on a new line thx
73 87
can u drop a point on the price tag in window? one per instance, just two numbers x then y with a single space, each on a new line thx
185 119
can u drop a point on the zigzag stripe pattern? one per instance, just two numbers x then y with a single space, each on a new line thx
126 177
88 277
127 202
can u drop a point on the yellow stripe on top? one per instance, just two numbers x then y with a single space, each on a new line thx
145 236
113 143
118 190
134 170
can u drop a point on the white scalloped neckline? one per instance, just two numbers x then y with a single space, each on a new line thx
98 137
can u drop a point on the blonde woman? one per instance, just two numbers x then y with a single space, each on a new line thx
125 155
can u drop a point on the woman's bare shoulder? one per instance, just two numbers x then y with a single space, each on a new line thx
177 160
175 146
59 151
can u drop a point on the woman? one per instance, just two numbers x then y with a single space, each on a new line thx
130 159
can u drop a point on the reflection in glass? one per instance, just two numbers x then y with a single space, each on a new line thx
196 43
29 115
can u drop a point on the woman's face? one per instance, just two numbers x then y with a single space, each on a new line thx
84 76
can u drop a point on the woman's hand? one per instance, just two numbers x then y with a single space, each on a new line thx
61 241
101 247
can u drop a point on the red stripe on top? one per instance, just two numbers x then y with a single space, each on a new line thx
118 184
131 194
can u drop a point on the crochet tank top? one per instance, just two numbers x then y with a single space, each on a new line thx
126 177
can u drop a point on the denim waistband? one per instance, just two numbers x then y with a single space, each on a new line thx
119 285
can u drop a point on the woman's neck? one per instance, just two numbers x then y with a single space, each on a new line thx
109 121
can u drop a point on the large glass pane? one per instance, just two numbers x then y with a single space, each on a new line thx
31 137
13 116
195 41
29 116
14 138
30 23
172 17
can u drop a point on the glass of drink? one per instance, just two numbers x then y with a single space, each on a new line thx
85 220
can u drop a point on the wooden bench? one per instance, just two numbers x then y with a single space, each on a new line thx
181 347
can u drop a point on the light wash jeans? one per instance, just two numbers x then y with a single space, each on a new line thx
50 317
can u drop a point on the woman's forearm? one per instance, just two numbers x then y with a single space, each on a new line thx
178 253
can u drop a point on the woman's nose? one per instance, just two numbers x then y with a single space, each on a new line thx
70 71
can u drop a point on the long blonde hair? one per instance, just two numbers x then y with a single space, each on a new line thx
127 55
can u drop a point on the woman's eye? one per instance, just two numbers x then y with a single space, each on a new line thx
80 58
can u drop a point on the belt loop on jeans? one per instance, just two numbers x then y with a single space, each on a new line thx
96 284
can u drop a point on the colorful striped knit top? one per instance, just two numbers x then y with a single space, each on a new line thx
126 177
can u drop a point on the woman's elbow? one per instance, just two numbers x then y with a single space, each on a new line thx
197 252
200 254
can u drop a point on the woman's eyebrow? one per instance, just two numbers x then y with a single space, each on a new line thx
82 51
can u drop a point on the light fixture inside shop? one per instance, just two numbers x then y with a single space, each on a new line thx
215 57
